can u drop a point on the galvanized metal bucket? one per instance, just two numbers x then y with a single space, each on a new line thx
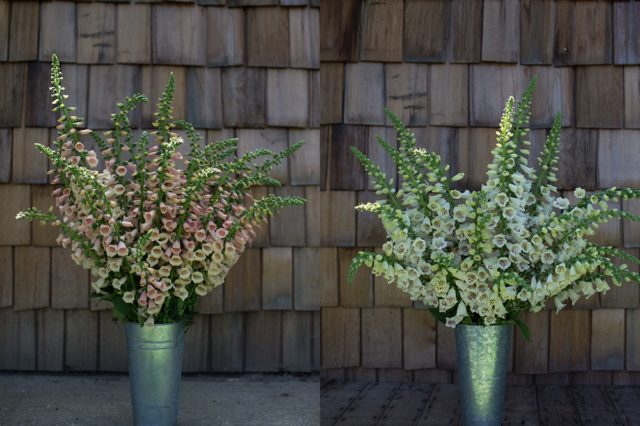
483 359
155 368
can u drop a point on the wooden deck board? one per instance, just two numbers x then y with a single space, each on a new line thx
336 397
626 400
407 405
369 406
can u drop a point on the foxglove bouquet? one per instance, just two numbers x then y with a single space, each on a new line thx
153 234
482 257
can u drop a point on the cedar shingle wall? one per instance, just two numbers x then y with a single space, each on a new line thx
241 70
446 67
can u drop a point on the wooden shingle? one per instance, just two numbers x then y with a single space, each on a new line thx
337 218
50 339
419 339
5 15
332 84
340 337
553 95
263 341
315 342
407 93
154 80
69 282
443 141
536 31
113 344
618 158
607 339
569 341
631 229
134 33
5 155
532 357
287 98
31 277
314 98
329 283
446 355
225 35
25 16
16 198
627 295
204 97
277 277
29 165
243 3
425 30
212 303
382 338
107 86
227 342
76 79
81 340
17 340
96 33
312 269
599 91
288 226
381 31
312 213
583 33
197 346
389 295
626 34
632 355
490 86
6 276
43 235
58 31
296 340
242 285
244 96
273 139
13 75
267 33
608 234
364 93
474 153
359 292
186 42
377 154
370 231
449 95
465 31
632 97
38 113
345 170
339 30
304 38
501 31
304 167
578 147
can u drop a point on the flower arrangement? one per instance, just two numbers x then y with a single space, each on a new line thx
482 257
154 235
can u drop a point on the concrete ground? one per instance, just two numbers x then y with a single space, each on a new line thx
96 400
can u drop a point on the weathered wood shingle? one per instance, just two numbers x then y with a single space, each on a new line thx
244 97
340 337
225 36
29 165
13 75
537 31
134 33
107 86
23 43
425 30
31 277
465 31
204 97
501 31
626 34
304 38
364 93
179 35
58 28
287 98
96 33
16 198
599 91
277 278
407 93
381 31
267 33
340 23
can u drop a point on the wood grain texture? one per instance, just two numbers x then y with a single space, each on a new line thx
578 146
58 29
274 139
243 283
632 97
304 164
309 275
632 334
227 342
407 93
43 235
17 340
531 357
296 341
287 98
304 38
389 295
359 292
599 90
364 93
554 94
381 31
277 278
267 33
17 198
490 87
288 226
50 339
14 75
446 357
113 344
501 31
226 36
183 45
465 33
583 33
370 231
204 98
5 17
107 86
626 295
449 95
81 340
345 170
626 34
6 276
263 341
96 33
425 30
377 153
339 30
29 165
332 84
154 80
618 158
537 31
312 215
69 282
244 97
330 278
23 43
134 33
37 95
419 339
382 338
31 277
631 230
5 155
197 346
340 337
212 303
607 339
474 153
569 341
556 406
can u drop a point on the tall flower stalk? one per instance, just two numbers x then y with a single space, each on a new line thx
483 257
156 229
